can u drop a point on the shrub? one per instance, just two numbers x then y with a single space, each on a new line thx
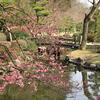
44 13
38 8
97 50
91 37
20 34
97 37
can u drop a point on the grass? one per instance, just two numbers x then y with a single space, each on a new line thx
32 45
89 55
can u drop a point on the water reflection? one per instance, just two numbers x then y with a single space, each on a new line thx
86 86
44 92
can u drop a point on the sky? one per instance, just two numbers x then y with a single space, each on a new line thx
85 2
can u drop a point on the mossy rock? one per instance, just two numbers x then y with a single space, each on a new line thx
5 43
3 37
22 43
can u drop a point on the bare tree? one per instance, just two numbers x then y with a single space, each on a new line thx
87 19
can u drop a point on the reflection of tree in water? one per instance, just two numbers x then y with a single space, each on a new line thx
86 91
93 78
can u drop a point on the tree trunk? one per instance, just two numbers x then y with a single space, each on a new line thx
85 32
87 19
37 17
10 36
85 87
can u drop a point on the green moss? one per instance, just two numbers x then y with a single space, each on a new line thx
43 3
44 13
38 8
20 34
32 45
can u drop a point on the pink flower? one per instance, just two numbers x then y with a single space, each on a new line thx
42 75
98 98
52 58
1 61
34 17
53 63
20 83
34 33
37 71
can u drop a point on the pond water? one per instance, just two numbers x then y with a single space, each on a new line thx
85 86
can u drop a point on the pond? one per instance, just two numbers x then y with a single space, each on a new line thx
85 85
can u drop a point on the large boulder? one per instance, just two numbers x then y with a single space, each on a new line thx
93 65
5 43
22 43
3 37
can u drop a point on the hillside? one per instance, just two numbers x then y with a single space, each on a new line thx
63 9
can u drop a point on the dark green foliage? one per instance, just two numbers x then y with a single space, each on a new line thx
43 3
79 27
38 8
94 26
43 13
20 34
71 26
91 37
2 23
97 37
32 45
97 50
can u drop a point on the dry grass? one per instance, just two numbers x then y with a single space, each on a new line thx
89 55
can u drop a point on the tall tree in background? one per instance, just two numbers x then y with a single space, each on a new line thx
39 8
87 19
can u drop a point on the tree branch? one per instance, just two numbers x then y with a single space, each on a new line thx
17 9
94 8
90 1
16 41
94 2
10 56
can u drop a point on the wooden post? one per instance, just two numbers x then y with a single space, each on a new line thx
75 40
80 40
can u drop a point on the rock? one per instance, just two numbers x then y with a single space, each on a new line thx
3 37
98 66
67 58
93 65
6 43
22 43
79 61
86 64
